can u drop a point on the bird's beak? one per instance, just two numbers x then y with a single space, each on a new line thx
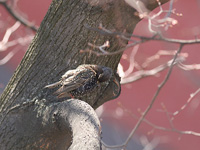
116 88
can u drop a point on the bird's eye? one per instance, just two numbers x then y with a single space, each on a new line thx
106 75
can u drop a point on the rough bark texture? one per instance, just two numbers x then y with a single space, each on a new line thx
38 119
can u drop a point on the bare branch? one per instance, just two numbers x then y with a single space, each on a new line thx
165 21
8 57
139 40
132 64
189 67
146 73
7 35
155 96
192 95
18 17
168 116
141 119
162 53
159 127
5 43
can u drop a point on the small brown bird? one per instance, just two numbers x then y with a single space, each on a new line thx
83 79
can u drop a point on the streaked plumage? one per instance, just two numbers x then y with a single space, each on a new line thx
83 79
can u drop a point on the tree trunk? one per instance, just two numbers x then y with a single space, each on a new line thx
31 116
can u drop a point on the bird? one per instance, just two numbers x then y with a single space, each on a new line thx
82 80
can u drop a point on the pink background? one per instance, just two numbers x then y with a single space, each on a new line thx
139 94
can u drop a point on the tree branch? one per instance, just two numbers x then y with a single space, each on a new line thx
146 73
155 96
18 17
141 119
84 124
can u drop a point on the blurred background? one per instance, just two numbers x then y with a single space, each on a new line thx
118 117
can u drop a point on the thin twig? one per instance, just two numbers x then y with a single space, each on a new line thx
168 116
159 127
146 73
155 96
18 17
188 101
189 67
160 53
7 35
140 40
124 145
132 63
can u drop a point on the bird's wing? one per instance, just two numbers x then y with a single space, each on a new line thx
64 95
70 85
53 85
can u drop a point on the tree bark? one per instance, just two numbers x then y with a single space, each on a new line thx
31 116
